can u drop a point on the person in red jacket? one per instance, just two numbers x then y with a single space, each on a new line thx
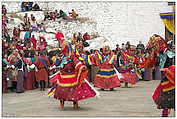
34 41
59 35
42 64
86 36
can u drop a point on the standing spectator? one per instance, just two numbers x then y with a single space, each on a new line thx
123 47
141 47
127 45
20 77
79 37
117 49
4 10
5 64
42 64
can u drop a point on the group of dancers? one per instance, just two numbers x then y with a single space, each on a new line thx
71 82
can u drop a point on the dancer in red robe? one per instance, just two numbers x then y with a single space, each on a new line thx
71 80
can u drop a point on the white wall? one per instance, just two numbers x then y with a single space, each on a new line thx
117 21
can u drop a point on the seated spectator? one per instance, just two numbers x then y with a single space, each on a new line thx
36 7
26 19
33 23
52 16
33 19
30 5
24 6
86 36
56 14
34 41
64 16
26 26
73 14
16 33
41 27
46 16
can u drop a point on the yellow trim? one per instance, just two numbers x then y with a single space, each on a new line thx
68 76
78 76
68 85
168 89
78 64
106 69
128 56
106 76
99 55
164 83
111 60
51 93
80 58
90 63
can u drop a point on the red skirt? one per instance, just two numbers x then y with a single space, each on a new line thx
30 80
42 75
129 77
74 93
106 79
106 83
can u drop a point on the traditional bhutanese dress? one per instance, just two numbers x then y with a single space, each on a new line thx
149 62
126 69
164 94
71 83
92 60
86 60
127 75
106 77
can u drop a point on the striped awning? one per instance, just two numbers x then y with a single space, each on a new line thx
168 15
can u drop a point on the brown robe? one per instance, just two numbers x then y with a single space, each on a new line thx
41 74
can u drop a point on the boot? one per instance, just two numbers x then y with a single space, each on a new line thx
165 112
111 89
133 86
43 86
126 85
40 85
61 106
76 105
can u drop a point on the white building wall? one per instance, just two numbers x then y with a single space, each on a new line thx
117 21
